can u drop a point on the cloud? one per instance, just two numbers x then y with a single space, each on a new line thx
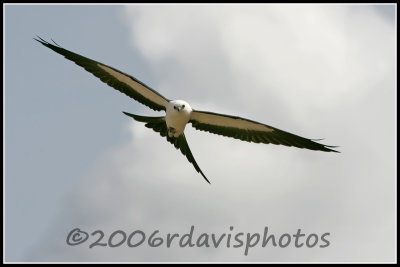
315 70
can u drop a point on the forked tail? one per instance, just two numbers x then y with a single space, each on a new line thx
159 125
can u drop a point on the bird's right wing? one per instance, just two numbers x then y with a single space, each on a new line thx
117 79
159 125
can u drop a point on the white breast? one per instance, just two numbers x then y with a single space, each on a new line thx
177 119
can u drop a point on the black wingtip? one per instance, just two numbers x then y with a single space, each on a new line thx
129 114
55 43
45 43
328 149
317 140
39 39
335 151
323 147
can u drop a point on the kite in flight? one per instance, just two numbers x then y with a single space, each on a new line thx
178 113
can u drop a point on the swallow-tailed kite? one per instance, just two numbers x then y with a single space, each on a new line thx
179 113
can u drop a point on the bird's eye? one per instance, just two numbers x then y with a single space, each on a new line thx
183 106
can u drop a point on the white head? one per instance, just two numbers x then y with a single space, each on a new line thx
180 106
177 116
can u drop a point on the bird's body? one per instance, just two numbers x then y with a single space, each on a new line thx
177 116
178 113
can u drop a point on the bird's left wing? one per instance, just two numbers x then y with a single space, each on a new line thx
117 79
158 125
250 131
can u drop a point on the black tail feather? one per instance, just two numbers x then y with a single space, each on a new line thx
159 125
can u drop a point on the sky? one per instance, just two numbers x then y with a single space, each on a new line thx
74 160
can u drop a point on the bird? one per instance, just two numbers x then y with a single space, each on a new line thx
178 113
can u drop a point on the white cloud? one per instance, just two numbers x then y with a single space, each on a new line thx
318 71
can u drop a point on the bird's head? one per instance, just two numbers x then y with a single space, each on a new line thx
180 105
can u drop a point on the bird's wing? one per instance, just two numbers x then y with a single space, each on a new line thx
250 131
159 125
117 79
